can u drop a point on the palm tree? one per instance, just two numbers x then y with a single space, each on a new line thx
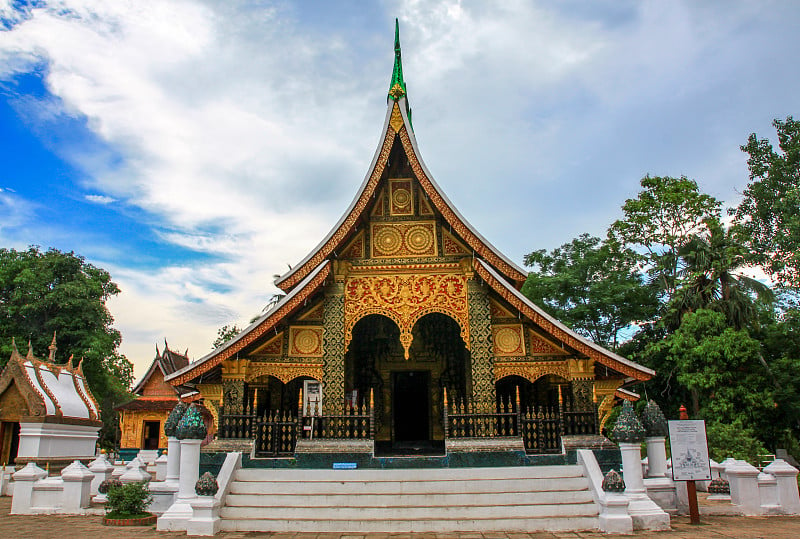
711 279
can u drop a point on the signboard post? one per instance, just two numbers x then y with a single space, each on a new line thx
689 449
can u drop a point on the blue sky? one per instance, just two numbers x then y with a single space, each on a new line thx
194 149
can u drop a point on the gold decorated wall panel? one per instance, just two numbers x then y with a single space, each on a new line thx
305 341
401 197
403 239
540 346
272 348
508 340
405 298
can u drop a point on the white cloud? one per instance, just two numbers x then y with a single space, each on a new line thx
100 199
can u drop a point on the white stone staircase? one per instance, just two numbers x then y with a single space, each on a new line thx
531 498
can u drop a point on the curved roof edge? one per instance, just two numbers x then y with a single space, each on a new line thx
558 329
443 204
350 216
446 204
260 326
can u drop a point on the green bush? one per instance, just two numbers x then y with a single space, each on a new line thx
128 501
733 440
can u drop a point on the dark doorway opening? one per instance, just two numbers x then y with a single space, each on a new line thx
411 412
10 442
151 432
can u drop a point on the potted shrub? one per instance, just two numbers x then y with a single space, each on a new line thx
127 505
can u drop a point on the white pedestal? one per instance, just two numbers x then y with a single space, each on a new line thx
786 476
23 488
743 479
102 470
161 467
77 488
646 515
656 456
205 516
177 516
173 460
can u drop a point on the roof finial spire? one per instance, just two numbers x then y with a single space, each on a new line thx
397 87
52 356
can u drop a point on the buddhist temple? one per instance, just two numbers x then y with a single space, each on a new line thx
142 419
404 328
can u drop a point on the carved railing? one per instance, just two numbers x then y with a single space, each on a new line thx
540 427
239 424
462 420
350 422
275 434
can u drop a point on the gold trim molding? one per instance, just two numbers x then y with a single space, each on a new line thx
532 370
285 372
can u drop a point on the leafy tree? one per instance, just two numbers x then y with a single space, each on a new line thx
718 366
224 334
590 286
768 218
42 293
659 222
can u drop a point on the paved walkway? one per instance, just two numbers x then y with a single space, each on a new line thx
712 527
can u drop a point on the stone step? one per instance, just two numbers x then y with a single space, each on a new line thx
423 500
413 474
447 512
411 486
390 525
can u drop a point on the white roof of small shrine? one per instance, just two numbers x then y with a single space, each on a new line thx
50 389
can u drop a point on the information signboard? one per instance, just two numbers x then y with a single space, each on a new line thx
689 448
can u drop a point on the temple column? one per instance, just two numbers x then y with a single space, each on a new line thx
334 350
581 372
481 350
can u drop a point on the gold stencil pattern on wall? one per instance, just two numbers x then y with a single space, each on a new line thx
401 197
305 341
411 239
508 340
543 347
405 299
273 347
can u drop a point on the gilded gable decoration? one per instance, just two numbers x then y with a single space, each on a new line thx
425 207
377 209
396 120
498 311
404 239
451 246
405 299
273 347
508 340
314 313
305 341
401 197
540 346
354 249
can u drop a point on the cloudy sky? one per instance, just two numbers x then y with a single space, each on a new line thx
194 149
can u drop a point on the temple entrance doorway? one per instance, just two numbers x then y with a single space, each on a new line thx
411 408
150 432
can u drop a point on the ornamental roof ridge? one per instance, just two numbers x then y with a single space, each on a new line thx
397 125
